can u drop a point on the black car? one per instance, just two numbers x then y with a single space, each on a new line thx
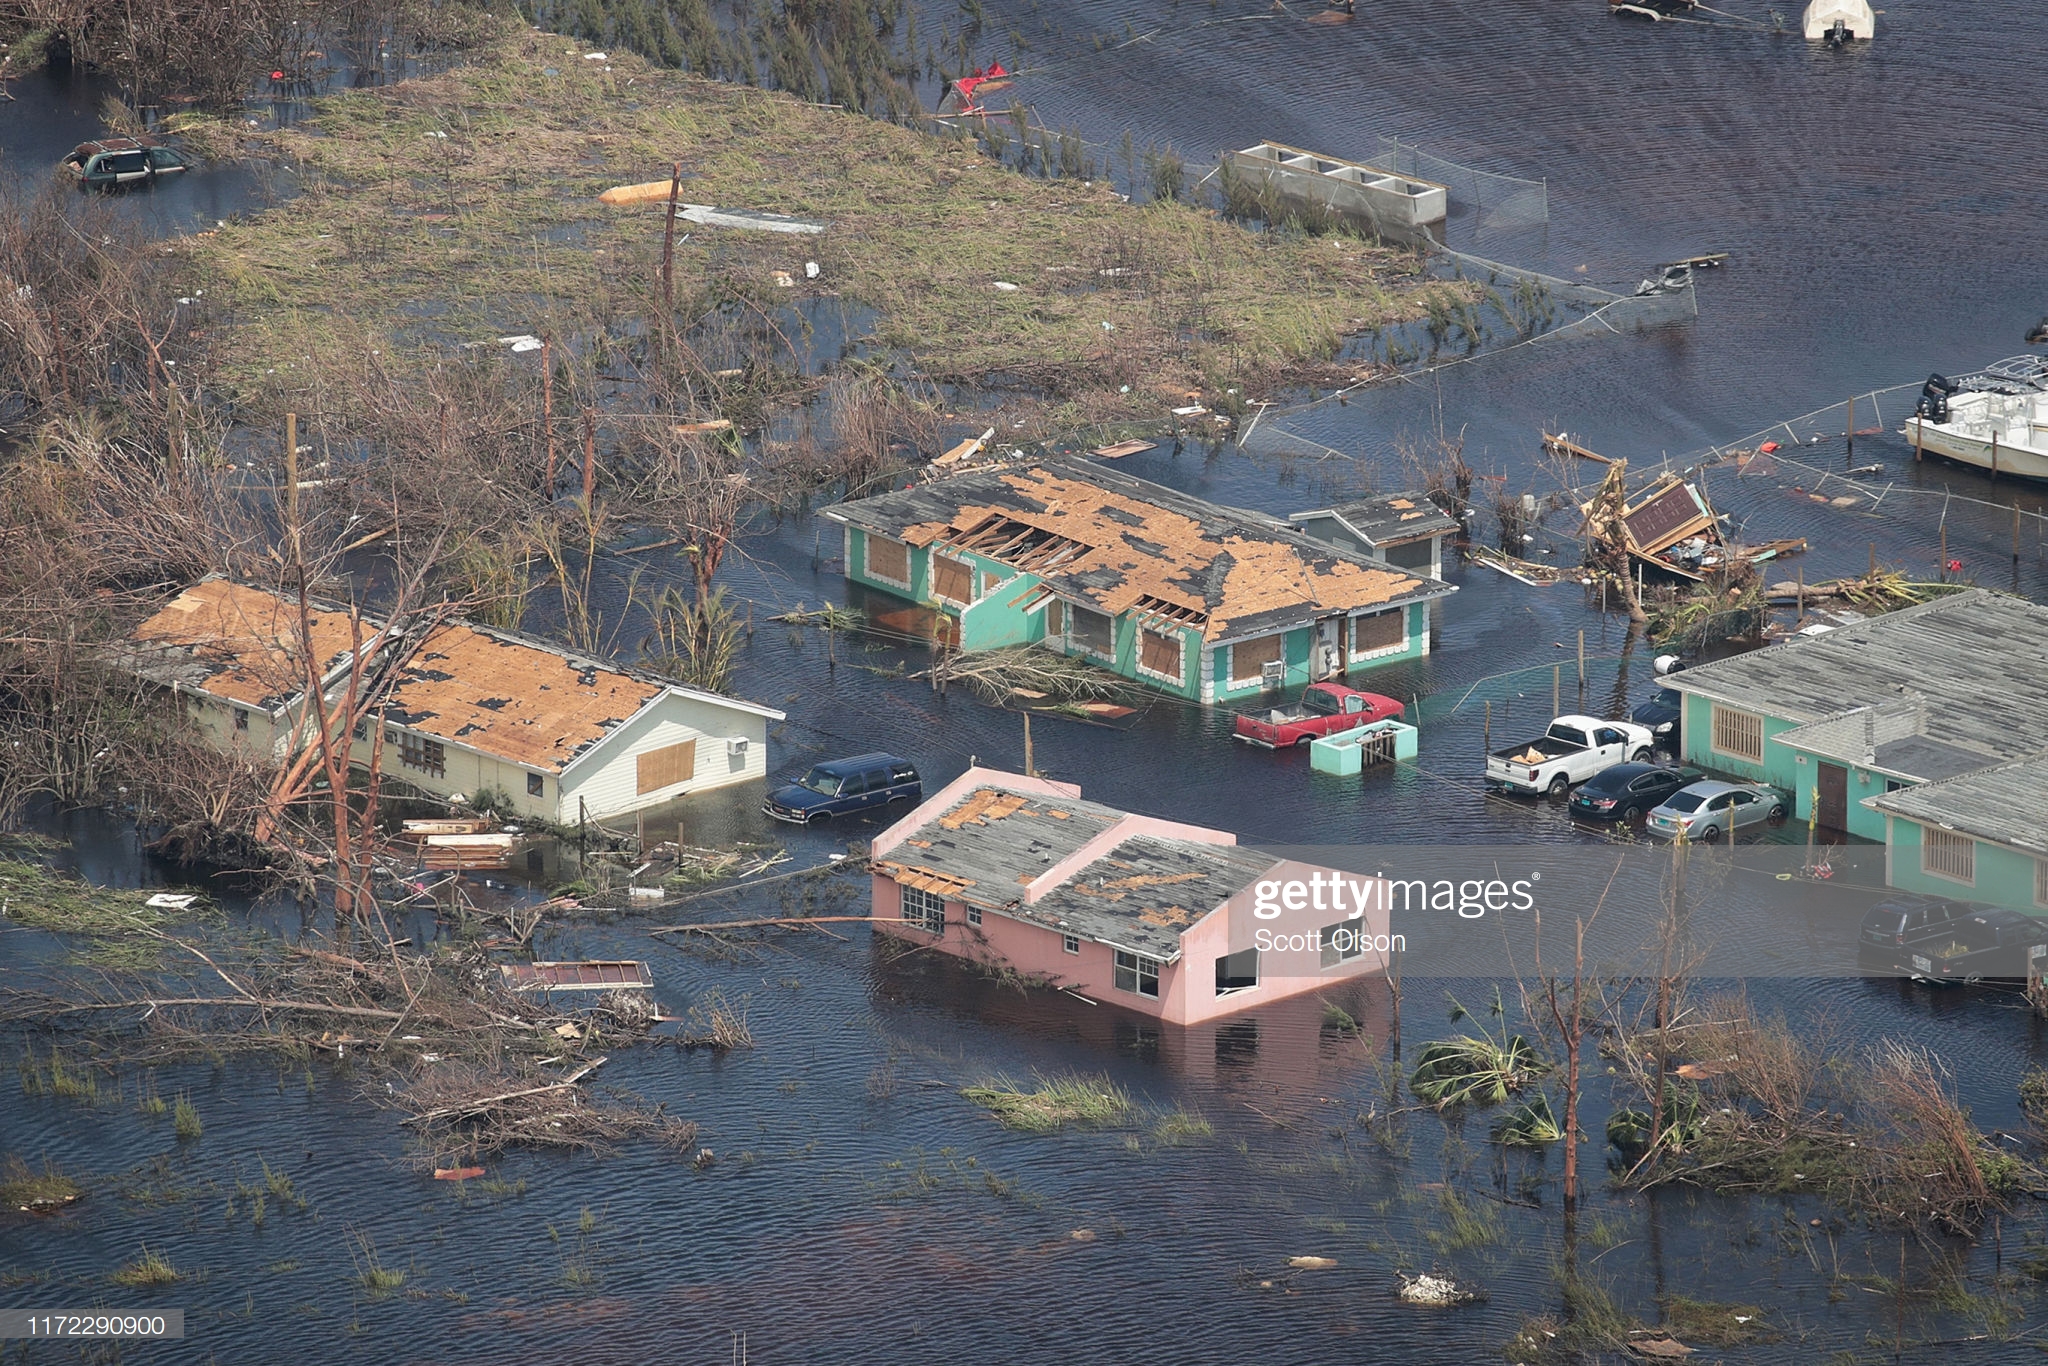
1992 944
843 786
1896 919
1661 715
1628 790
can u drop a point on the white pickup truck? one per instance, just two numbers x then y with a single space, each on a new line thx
1571 751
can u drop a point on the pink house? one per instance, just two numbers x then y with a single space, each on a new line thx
1171 920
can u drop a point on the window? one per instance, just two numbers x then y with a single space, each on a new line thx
990 581
536 785
1137 973
1055 618
1607 735
1381 631
952 580
1248 658
1893 784
1093 632
888 561
1160 655
665 767
974 915
1419 555
362 730
1071 943
241 718
1343 942
924 910
1944 853
1738 734
418 752
2041 882
1237 972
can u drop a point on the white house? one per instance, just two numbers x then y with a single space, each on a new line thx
476 709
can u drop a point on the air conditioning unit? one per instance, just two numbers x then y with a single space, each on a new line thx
736 746
1272 674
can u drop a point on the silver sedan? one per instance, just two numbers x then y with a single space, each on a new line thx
1708 810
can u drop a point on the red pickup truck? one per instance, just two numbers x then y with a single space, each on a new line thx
1324 709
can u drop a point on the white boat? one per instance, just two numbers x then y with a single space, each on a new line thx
1996 419
1837 21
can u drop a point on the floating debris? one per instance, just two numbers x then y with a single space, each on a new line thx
1436 1290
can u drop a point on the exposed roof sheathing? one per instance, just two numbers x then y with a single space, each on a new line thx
517 699
239 643
1126 545
522 703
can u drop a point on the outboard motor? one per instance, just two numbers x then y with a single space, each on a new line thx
1933 404
2039 334
1838 36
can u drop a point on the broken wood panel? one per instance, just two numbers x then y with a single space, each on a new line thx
1124 448
589 975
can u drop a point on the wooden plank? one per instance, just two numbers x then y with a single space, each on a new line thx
1564 445
665 767
1124 448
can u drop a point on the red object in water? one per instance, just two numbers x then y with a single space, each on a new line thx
457 1173
1955 566
1767 448
277 75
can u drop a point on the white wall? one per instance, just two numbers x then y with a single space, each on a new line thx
607 778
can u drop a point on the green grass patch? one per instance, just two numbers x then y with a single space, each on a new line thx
1059 1102
371 1275
1180 1128
185 1121
1464 1224
44 899
496 226
151 1268
1705 1323
22 1187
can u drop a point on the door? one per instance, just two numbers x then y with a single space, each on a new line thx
1329 660
1831 807
1747 809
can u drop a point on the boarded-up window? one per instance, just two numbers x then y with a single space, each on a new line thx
1411 555
1738 734
1055 618
1947 854
1159 655
1249 657
1381 631
888 560
952 580
1092 632
990 581
667 766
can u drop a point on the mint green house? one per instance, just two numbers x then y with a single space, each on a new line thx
1980 836
1850 721
1205 602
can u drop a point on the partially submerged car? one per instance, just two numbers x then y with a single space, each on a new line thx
1706 811
108 162
1628 790
841 787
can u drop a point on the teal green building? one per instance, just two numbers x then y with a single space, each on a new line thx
1889 727
1205 602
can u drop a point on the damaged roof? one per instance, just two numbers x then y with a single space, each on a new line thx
1890 736
1125 545
239 643
508 695
1144 892
1980 659
1388 518
1138 894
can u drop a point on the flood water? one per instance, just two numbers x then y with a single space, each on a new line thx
1882 211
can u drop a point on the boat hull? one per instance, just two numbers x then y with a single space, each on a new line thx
2021 461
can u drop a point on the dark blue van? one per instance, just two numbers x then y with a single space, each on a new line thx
844 786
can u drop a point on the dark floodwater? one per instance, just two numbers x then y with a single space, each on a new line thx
1882 209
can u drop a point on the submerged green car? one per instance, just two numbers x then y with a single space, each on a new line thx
122 161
